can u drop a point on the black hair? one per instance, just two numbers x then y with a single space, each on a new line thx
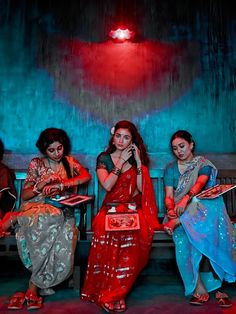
136 139
185 135
51 135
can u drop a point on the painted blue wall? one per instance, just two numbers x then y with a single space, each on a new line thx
30 100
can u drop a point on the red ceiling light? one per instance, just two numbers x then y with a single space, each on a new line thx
121 34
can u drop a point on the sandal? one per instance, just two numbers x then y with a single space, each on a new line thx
16 301
108 307
121 306
33 301
223 299
199 299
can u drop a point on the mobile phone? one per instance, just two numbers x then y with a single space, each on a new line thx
131 160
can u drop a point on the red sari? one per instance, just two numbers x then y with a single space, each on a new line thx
117 257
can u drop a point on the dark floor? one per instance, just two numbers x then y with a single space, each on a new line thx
151 294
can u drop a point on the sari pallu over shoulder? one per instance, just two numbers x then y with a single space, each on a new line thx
149 207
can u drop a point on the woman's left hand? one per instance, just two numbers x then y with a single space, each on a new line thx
51 189
136 153
181 206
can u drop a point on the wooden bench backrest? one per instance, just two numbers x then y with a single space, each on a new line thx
228 177
94 188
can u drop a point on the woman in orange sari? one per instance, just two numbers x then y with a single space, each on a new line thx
117 257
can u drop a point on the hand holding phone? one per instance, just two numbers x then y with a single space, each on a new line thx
136 153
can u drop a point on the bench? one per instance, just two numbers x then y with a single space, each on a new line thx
163 245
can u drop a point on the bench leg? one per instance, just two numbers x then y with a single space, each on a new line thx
76 279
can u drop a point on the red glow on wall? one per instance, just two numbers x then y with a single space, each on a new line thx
146 75
121 69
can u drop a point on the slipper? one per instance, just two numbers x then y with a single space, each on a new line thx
33 301
223 299
198 299
16 301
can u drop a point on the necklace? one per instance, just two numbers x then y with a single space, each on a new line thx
58 166
184 163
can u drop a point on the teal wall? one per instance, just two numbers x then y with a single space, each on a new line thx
36 92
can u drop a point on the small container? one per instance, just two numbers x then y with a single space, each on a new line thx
112 209
132 206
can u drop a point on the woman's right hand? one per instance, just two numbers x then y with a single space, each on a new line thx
51 189
126 153
48 179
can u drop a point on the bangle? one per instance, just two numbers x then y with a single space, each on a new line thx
35 189
116 171
123 159
139 171
61 186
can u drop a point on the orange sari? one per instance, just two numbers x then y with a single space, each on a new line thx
117 257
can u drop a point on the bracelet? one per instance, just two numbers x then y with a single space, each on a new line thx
35 189
116 171
61 186
139 171
123 159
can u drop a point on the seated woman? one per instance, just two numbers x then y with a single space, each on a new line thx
202 231
46 236
117 257
7 189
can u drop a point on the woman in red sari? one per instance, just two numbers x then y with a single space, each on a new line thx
117 257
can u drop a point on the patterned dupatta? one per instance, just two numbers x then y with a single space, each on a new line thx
189 177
